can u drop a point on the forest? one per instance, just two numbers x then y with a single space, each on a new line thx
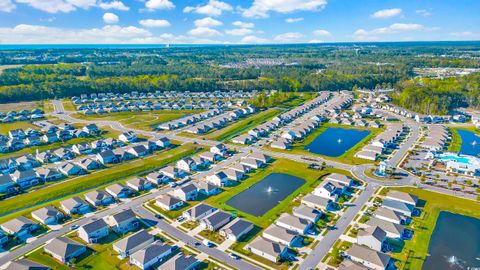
55 73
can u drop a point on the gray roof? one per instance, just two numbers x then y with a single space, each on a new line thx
188 188
369 255
168 200
266 246
374 231
403 196
216 218
94 225
237 226
97 195
17 224
70 203
281 233
63 246
199 209
6 179
317 200
349 265
179 262
389 213
398 205
388 227
296 222
123 215
304 211
46 212
151 252
24 264
133 240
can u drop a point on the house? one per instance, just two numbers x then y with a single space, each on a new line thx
187 164
64 249
234 175
139 184
398 206
294 223
340 178
133 243
252 163
309 213
70 169
107 157
186 193
329 190
20 227
282 236
25 178
181 262
317 202
219 149
198 212
209 156
24 264
236 229
393 230
157 178
27 162
349 265
98 198
91 129
373 237
207 189
6 184
88 164
163 142
370 258
402 197
123 221
118 191
75 205
149 256
368 155
260 157
49 174
390 215
46 157
138 150
168 202
240 168
64 153
267 249
93 231
47 215
170 172
82 148
128 137
219 179
215 221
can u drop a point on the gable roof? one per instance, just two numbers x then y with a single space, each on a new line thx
63 246
369 255
133 240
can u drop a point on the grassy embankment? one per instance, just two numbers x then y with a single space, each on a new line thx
456 143
347 157
25 203
431 204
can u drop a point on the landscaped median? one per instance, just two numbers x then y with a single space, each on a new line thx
28 202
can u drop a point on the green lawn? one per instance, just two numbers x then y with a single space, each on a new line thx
347 157
242 125
6 127
138 120
25 203
431 204
68 105
456 142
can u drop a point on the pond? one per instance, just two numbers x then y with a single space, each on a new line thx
266 194
470 143
334 142
454 243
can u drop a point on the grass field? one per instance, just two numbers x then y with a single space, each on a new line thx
242 125
25 203
68 105
431 204
6 127
456 143
347 157
138 120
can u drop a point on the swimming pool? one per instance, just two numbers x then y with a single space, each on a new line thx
459 159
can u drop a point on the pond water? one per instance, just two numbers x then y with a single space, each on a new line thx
266 194
454 243
334 142
470 143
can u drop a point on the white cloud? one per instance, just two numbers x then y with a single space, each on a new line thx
154 23
392 29
321 33
293 20
386 13
110 18
50 6
207 22
261 8
315 41
159 4
118 5
203 32
466 35
423 12
288 37
6 5
212 8
253 40
243 24
239 31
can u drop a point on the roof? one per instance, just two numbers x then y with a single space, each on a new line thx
63 246
369 255
237 227
268 247
46 212
337 177
72 202
24 264
167 199
403 196
388 227
94 225
216 218
179 262
306 211
123 216
97 195
388 213
199 209
296 222
280 233
400 206
349 265
16 224
374 231
317 200
188 188
150 253
133 240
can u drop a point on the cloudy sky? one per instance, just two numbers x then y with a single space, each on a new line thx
236 21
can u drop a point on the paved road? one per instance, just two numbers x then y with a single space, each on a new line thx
317 254
190 241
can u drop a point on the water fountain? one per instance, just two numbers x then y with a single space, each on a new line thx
269 189
339 140
381 171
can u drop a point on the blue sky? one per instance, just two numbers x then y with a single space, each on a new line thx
235 21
